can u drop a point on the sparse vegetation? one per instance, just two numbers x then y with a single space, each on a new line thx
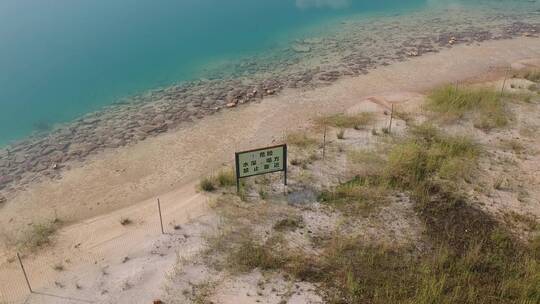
207 184
359 196
200 293
485 106
426 160
341 121
465 255
290 223
474 259
39 235
249 255
300 139
430 160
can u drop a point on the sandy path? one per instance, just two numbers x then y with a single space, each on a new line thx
126 181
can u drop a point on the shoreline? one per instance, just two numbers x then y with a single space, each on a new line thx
117 178
124 183
168 109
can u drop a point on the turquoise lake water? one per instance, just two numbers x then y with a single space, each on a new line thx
62 58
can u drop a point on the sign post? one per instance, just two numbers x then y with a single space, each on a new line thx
261 161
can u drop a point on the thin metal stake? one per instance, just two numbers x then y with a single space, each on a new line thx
160 217
324 143
504 81
24 272
391 118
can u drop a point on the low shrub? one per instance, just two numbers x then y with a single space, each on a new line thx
207 184
486 106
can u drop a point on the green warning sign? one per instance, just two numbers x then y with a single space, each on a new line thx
261 161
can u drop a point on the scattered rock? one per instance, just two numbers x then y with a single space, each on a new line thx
301 48
412 53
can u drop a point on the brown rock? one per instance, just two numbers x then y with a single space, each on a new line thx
231 105
56 156
151 128
5 179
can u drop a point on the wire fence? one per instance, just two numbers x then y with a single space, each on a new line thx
67 275
61 277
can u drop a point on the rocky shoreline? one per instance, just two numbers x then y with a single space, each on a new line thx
312 62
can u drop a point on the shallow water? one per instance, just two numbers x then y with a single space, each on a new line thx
60 59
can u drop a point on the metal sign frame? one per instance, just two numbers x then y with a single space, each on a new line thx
237 164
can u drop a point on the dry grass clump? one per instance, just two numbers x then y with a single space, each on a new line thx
59 267
249 255
359 196
207 184
290 223
425 161
480 275
39 235
340 134
430 159
224 178
486 106
125 221
300 139
532 75
342 121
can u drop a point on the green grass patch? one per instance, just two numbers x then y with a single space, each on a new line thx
486 107
342 121
360 196
430 160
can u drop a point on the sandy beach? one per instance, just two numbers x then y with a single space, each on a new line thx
90 198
